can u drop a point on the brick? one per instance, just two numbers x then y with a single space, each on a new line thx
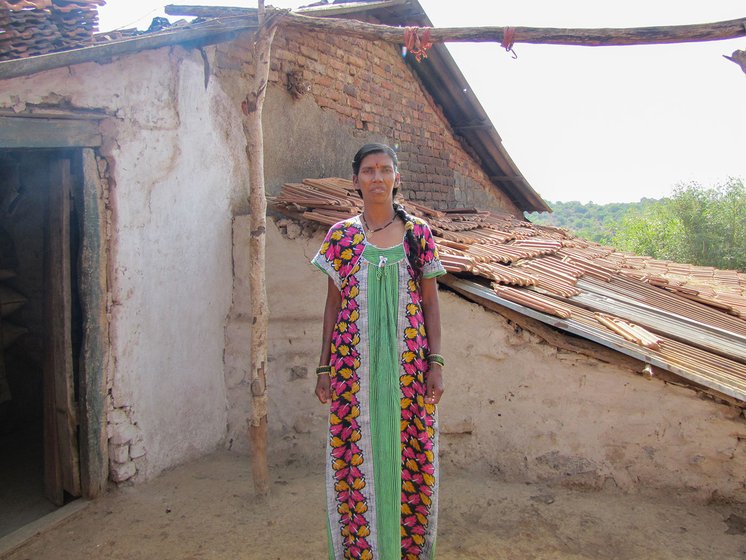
119 453
122 472
121 433
137 450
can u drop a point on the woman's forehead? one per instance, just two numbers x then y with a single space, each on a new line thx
378 159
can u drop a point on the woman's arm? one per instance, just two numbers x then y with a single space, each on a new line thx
431 311
331 311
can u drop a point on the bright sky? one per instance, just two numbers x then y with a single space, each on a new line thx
604 124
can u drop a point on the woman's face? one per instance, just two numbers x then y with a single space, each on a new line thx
377 178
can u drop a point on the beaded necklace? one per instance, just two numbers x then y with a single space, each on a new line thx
371 231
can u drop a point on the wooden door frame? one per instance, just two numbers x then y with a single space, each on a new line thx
80 132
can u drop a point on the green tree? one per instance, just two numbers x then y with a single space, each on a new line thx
652 230
698 225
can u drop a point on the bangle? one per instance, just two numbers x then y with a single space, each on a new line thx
324 370
436 358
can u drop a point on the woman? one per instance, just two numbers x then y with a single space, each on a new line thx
380 368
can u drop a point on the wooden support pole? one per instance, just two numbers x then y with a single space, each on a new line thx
252 110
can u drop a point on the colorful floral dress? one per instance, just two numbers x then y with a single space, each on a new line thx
382 468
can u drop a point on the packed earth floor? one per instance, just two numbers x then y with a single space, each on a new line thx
205 510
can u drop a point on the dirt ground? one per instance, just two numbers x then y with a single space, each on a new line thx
205 511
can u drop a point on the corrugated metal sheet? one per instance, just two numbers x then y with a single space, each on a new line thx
685 319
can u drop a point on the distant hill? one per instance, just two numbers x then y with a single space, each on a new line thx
596 222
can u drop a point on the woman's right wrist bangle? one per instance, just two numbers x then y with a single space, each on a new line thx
324 370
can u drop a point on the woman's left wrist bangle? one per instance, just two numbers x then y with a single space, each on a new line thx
436 359
324 370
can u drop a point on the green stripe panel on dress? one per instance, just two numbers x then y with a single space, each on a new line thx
385 408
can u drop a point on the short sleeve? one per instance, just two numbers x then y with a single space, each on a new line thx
432 267
339 252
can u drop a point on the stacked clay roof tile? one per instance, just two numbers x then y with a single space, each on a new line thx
35 27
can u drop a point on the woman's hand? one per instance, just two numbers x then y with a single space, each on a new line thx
434 384
323 388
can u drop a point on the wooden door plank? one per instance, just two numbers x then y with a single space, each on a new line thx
66 417
52 469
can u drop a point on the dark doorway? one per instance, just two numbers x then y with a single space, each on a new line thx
40 331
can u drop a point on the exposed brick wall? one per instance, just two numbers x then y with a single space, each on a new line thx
374 92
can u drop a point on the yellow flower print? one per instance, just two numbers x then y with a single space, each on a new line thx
337 235
411 464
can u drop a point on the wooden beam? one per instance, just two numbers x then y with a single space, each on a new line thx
329 10
535 35
21 132
208 11
94 451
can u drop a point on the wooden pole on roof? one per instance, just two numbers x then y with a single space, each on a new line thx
612 36
252 124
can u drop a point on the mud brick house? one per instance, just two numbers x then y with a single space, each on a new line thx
123 198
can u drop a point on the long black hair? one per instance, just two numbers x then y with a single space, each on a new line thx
415 250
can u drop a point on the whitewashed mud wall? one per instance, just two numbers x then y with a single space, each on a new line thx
176 168
514 406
